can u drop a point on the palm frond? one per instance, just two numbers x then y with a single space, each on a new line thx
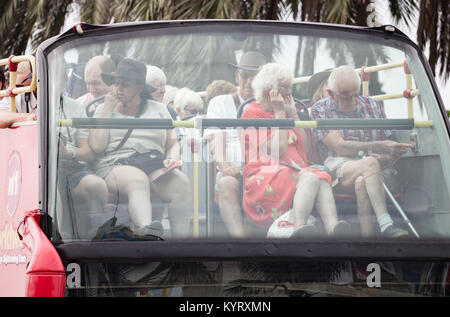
434 31
97 12
403 10
49 18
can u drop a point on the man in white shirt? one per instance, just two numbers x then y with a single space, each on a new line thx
225 146
26 104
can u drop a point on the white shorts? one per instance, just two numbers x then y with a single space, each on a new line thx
336 165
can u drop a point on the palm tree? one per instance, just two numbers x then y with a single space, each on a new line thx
22 20
38 24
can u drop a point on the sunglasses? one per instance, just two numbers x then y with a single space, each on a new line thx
193 111
29 76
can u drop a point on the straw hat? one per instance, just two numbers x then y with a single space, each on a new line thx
251 61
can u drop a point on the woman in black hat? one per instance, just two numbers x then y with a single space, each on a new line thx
317 86
128 160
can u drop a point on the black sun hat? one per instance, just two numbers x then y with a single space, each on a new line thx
316 80
129 68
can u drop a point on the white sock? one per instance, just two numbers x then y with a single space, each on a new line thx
385 221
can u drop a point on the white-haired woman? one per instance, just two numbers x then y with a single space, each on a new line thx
272 182
157 79
169 96
187 103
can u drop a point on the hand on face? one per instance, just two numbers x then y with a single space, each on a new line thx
276 100
111 101
291 111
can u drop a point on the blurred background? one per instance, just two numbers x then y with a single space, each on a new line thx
24 24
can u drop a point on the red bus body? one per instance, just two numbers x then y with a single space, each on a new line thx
31 266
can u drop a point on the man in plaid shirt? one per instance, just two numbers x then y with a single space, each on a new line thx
341 149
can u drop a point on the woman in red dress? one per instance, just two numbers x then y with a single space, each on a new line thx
276 175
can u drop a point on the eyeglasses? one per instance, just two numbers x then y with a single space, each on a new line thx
350 97
193 111
245 74
29 76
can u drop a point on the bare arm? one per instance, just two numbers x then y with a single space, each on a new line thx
98 138
341 147
7 118
84 152
279 137
172 147
218 147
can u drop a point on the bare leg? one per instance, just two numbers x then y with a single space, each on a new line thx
364 208
326 206
369 168
304 198
93 192
133 183
229 206
174 188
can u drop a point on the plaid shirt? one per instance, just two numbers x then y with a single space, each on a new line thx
366 108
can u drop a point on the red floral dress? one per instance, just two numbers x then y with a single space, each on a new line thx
269 185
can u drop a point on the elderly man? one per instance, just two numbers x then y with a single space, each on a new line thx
94 82
225 146
341 150
26 104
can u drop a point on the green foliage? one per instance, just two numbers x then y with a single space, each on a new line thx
22 20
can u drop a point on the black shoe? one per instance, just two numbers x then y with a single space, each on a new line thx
342 229
152 232
305 231
392 232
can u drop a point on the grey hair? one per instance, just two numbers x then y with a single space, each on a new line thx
185 97
339 73
269 77
155 73
170 94
105 64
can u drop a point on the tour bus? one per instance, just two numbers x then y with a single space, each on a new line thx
44 247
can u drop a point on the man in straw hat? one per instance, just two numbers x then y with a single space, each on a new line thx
225 146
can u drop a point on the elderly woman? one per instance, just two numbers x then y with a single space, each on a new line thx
187 103
218 88
317 86
156 78
169 96
119 154
275 173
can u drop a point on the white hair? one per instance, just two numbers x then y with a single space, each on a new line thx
269 77
155 74
170 94
185 97
346 73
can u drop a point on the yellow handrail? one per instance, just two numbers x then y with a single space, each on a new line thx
369 69
12 90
